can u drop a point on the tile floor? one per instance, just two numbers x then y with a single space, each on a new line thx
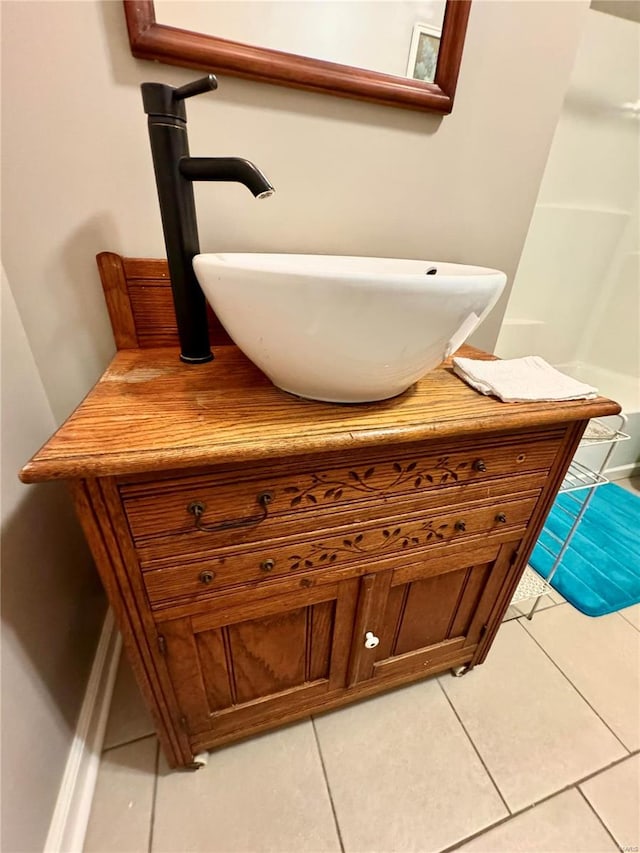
536 750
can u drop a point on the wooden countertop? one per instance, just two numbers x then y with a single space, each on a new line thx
151 412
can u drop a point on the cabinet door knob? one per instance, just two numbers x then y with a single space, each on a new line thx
206 577
460 525
370 640
501 518
479 465
267 565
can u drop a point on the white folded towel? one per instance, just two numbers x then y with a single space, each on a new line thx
521 380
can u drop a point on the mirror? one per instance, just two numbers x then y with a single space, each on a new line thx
359 33
402 53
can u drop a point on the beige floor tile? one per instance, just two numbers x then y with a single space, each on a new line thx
128 715
555 596
601 657
563 824
402 773
264 794
120 817
632 615
512 613
533 730
615 795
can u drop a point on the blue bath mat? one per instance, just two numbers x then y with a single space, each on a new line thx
600 570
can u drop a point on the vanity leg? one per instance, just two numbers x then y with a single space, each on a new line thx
458 671
199 760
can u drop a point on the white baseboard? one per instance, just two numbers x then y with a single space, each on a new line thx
621 472
71 814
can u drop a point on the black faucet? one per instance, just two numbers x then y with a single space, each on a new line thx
175 172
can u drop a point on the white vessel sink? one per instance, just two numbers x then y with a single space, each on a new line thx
346 329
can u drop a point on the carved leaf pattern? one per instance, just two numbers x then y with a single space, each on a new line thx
395 539
322 487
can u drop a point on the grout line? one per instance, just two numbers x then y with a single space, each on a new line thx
584 698
326 782
539 802
606 767
152 816
488 828
475 748
599 819
511 618
127 742
628 621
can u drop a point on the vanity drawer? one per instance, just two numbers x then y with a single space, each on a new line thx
337 548
157 552
230 504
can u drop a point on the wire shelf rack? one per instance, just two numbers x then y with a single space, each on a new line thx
579 478
598 432
531 586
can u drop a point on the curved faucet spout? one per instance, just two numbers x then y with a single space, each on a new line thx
235 169
175 173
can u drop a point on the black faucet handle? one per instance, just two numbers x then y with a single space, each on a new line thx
197 87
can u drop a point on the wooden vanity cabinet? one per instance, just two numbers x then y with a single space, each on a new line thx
387 549
392 570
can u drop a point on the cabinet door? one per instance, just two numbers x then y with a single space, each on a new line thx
429 614
261 659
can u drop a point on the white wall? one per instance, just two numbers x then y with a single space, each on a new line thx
611 337
576 296
351 178
52 606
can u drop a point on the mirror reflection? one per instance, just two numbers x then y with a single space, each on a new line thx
397 37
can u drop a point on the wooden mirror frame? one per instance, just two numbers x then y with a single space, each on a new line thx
151 40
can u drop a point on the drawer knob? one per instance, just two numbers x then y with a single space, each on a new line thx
460 525
501 518
206 576
197 508
479 465
370 640
267 565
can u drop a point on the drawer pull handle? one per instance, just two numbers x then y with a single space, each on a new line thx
460 525
197 508
479 465
501 518
267 565
207 577
370 640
